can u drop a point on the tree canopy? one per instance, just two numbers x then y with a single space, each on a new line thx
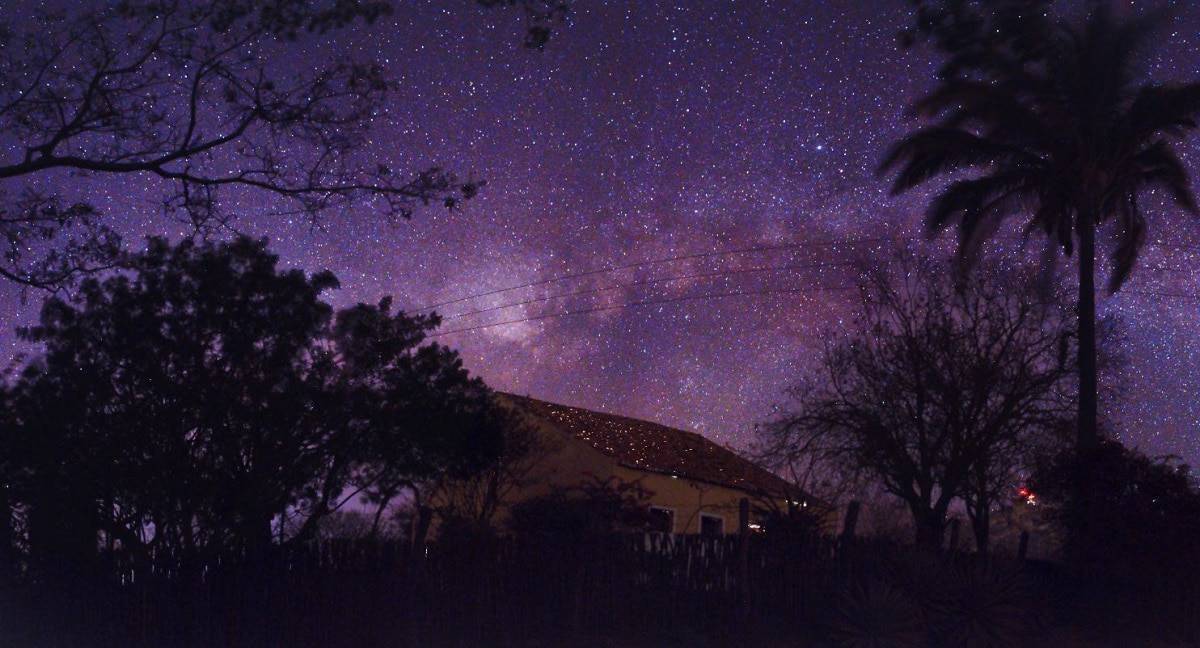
936 392
207 403
197 94
1052 120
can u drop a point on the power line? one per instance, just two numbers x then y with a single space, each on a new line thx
1169 295
1176 246
684 257
649 302
743 293
652 262
703 255
646 282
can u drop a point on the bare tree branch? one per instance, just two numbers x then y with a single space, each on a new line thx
195 93
938 392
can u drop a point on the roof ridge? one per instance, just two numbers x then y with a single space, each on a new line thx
691 454
615 415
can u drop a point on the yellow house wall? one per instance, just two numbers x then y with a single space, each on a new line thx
568 462
688 498
572 460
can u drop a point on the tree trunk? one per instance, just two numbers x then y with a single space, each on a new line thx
258 537
981 520
1087 434
62 536
7 548
931 527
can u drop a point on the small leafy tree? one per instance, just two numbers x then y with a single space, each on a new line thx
579 516
476 498
193 406
1146 508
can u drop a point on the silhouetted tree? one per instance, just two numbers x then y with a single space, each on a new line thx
1058 127
581 515
478 497
935 380
1000 467
1148 510
356 525
413 402
192 406
195 93
8 470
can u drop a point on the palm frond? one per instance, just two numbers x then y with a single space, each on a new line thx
1158 166
1053 216
930 152
969 200
1130 238
977 227
1167 109
1002 112
1053 127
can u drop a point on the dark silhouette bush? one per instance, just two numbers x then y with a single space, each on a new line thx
1145 511
875 614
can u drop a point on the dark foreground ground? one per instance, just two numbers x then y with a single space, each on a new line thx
623 592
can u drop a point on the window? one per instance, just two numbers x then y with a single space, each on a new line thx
711 526
662 519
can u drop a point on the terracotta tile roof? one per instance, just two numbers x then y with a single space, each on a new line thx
649 446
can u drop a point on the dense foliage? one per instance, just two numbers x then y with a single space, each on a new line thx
1147 510
207 403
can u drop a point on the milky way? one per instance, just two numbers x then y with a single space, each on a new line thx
647 131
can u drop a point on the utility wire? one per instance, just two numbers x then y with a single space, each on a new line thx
647 282
687 298
701 255
721 253
660 261
1169 295
698 275
649 302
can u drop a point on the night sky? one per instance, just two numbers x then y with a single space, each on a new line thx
652 130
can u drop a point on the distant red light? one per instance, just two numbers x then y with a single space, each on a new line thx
1029 496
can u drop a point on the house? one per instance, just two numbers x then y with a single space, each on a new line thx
695 486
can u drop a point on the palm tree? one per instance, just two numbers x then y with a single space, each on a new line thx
1058 130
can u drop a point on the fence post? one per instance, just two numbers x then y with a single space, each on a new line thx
424 517
415 573
851 521
1023 546
744 558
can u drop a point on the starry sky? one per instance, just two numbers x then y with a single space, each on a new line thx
645 132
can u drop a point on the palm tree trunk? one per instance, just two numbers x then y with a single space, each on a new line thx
1088 438
1087 433
930 528
7 553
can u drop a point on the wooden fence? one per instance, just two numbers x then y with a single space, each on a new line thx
661 589
495 592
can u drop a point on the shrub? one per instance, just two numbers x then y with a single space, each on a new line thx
875 614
